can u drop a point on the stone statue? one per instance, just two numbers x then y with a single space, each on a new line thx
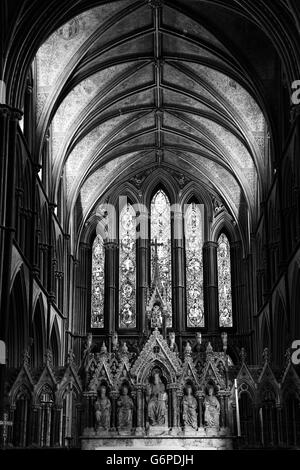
156 317
157 400
189 409
125 410
102 410
172 345
212 409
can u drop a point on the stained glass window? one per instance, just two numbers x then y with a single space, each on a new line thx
97 310
194 267
224 282
127 269
161 248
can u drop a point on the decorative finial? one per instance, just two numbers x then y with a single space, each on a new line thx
224 337
124 349
188 349
103 349
209 348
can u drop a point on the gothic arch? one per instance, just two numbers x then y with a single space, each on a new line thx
125 189
55 344
18 321
265 334
39 334
191 193
280 331
160 179
166 373
224 223
295 315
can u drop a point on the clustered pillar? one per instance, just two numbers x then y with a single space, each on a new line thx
211 284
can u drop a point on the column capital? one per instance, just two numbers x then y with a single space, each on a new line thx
173 387
210 244
13 113
110 244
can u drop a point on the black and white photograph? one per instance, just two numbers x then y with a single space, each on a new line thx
149 229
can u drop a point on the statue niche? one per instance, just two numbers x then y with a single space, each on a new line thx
125 411
102 411
212 409
189 409
157 401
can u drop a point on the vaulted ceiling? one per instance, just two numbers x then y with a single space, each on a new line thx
130 85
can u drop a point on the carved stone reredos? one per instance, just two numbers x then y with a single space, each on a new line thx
156 352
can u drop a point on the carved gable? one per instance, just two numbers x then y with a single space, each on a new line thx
156 351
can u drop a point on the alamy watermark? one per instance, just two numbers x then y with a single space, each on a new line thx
296 352
184 219
296 92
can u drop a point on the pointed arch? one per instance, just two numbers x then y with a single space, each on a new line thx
17 338
39 334
280 332
160 180
265 336
55 344
295 315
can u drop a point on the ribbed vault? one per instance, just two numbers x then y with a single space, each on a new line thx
129 85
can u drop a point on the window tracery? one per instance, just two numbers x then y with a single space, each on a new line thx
224 282
127 267
194 267
97 307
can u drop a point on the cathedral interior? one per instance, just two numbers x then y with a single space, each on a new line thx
149 223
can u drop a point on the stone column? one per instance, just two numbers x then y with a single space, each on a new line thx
179 401
279 424
34 422
173 409
28 118
226 418
113 421
142 272
8 138
211 285
200 399
239 301
140 411
179 273
56 438
111 257
222 410
88 410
